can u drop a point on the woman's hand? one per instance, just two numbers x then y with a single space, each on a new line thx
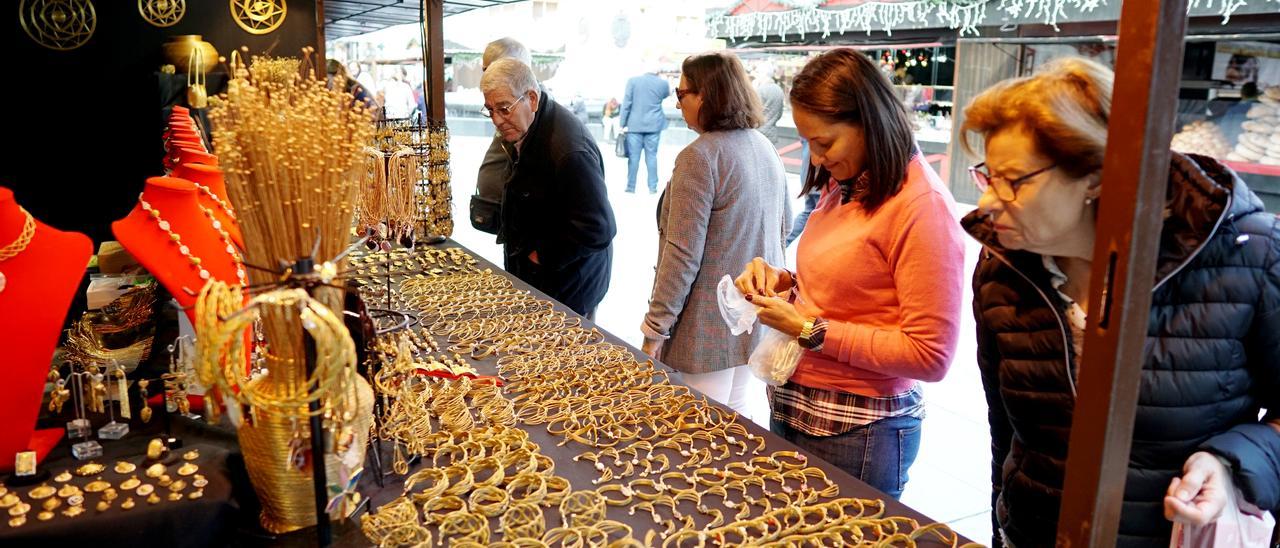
778 314
762 278
653 347
1198 497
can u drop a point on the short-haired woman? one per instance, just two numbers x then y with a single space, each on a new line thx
875 298
1212 358
726 203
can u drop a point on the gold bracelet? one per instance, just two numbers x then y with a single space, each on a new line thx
557 489
522 521
624 490
531 494
489 501
800 460
435 509
464 525
463 484
495 478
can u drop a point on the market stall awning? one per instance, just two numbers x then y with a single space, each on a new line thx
352 17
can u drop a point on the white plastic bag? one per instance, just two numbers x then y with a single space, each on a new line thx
1240 524
736 310
775 358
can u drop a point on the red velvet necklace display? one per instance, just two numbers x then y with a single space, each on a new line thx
40 283
179 243
213 195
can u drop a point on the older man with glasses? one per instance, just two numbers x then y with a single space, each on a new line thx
557 225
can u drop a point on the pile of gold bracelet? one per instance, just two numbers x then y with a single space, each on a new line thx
658 448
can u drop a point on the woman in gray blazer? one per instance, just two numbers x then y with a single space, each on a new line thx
726 203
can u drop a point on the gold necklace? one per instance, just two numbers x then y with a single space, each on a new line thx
19 245
196 262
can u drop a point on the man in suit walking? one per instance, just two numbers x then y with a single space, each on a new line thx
643 122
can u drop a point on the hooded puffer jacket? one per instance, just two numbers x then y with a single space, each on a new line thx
1212 361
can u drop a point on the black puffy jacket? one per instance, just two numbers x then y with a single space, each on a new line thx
556 203
1212 361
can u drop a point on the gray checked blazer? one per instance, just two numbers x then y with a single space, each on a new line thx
726 203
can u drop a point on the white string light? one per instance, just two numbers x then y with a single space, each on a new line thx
966 16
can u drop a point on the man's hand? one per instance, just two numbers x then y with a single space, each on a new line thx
1198 497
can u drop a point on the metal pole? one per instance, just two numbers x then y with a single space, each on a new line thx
433 59
319 478
1134 178
320 57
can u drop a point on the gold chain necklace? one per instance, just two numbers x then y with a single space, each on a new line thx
19 245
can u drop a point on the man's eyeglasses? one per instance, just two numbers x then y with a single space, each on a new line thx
1006 189
502 111
681 92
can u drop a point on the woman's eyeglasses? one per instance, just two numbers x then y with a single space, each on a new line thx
1006 189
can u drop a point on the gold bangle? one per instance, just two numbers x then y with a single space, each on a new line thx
495 478
437 487
435 509
522 521
465 526
658 489
801 460
489 501
463 484
557 489
530 494
624 490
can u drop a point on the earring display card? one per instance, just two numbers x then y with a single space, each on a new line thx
86 450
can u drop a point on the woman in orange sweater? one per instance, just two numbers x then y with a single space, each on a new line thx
875 299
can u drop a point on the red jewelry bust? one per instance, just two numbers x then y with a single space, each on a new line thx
40 282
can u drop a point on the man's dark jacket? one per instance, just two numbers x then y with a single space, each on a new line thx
1211 361
556 204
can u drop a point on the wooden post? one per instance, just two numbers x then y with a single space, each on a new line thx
433 59
320 59
1134 179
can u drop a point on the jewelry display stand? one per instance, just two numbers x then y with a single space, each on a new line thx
149 237
80 428
40 281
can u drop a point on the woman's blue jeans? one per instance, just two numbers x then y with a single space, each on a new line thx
879 453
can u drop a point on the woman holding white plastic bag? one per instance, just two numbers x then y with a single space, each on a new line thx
726 203
876 295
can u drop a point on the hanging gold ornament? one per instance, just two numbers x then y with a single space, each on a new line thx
258 16
61 25
162 13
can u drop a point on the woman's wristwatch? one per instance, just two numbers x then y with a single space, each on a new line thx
813 334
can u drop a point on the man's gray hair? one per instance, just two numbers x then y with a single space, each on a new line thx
504 48
509 74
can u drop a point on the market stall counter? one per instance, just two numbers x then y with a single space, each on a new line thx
506 418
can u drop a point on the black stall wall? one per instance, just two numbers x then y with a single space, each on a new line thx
82 128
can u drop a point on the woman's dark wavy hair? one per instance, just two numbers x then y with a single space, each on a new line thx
728 100
844 85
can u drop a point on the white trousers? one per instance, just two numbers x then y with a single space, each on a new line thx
727 386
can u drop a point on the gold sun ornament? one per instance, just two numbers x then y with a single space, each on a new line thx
258 16
162 13
61 25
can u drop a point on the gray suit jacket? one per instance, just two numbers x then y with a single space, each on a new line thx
726 203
